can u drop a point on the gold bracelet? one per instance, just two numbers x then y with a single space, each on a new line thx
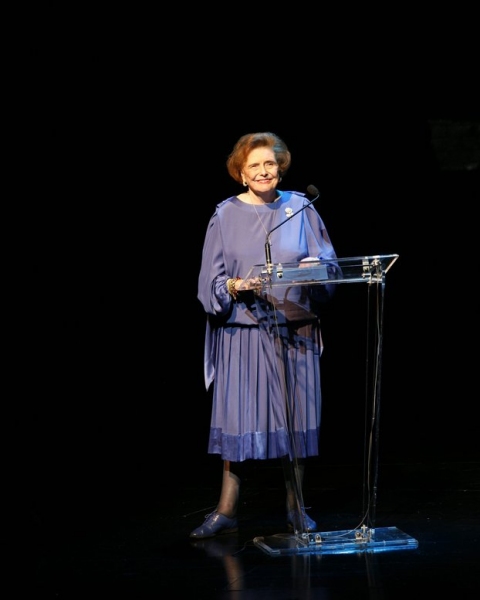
231 287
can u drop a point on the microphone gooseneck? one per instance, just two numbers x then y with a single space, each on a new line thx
313 191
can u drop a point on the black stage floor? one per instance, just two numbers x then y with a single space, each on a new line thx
133 540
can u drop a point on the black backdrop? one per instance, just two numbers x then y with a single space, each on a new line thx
113 405
114 332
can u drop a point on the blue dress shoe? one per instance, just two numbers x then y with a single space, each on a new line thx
215 524
307 521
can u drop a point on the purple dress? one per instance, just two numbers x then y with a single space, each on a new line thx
266 393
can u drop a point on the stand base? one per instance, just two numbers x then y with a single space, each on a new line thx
380 539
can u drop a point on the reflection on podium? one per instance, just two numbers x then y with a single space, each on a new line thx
285 293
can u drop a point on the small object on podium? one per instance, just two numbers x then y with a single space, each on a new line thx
301 273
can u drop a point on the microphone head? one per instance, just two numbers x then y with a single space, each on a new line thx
313 191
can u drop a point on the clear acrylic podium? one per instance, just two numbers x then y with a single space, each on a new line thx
280 291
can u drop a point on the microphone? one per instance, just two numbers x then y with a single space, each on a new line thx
313 191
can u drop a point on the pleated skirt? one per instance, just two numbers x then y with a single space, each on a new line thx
266 392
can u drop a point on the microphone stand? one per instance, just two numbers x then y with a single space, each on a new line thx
268 254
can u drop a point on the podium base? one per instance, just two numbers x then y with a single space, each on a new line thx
380 539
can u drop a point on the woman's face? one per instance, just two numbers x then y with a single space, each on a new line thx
261 170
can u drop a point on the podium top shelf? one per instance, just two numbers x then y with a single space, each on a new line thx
352 269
